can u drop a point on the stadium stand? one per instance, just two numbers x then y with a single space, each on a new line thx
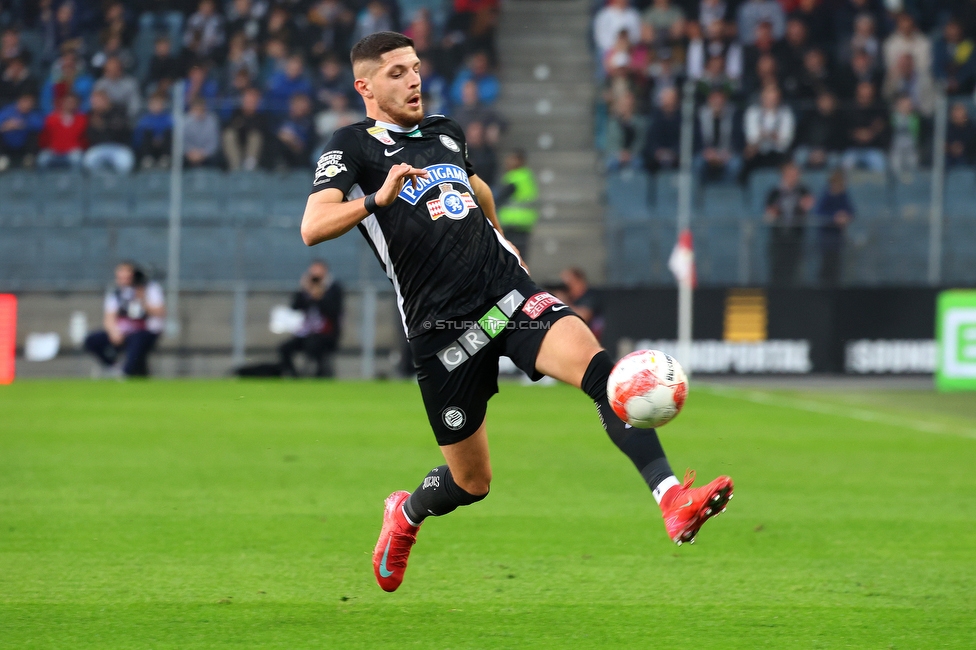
241 225
816 54
64 227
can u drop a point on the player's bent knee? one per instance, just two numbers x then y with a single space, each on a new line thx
475 487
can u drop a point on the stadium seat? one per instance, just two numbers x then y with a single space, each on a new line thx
247 197
347 257
19 205
148 246
903 252
211 253
203 197
665 204
20 252
278 254
151 201
959 253
65 257
870 195
289 192
815 180
722 203
761 182
629 255
960 192
109 197
62 195
913 197
627 196
717 252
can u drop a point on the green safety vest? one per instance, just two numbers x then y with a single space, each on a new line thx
520 210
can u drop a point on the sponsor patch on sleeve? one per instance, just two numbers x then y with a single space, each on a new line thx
329 166
538 303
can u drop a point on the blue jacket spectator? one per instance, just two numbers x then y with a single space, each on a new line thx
152 126
20 124
286 83
477 69
153 131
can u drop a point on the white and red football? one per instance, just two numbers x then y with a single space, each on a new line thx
647 388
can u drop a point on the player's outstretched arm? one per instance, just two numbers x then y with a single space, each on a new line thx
328 215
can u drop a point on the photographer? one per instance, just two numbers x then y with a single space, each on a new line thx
321 301
133 320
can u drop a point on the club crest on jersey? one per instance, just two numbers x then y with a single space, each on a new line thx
450 144
451 203
381 134
436 174
329 166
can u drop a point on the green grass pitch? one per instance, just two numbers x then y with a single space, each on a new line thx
242 515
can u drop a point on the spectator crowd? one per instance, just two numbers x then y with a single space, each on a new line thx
89 83
822 83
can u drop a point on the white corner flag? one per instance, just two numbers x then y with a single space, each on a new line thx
682 260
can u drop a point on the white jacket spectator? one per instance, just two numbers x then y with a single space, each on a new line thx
616 17
907 39
769 126
753 12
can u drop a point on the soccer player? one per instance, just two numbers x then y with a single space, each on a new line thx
464 297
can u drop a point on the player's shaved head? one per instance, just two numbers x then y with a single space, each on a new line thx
368 53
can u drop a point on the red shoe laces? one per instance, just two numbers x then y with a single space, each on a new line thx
689 479
400 549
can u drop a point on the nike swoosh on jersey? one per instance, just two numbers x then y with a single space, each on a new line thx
391 153
559 307
386 573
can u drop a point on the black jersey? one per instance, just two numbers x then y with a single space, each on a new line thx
438 248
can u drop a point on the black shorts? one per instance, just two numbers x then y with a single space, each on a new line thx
457 361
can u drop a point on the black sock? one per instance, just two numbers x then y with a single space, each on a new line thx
641 446
436 496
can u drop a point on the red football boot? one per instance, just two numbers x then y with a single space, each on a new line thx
393 547
685 508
